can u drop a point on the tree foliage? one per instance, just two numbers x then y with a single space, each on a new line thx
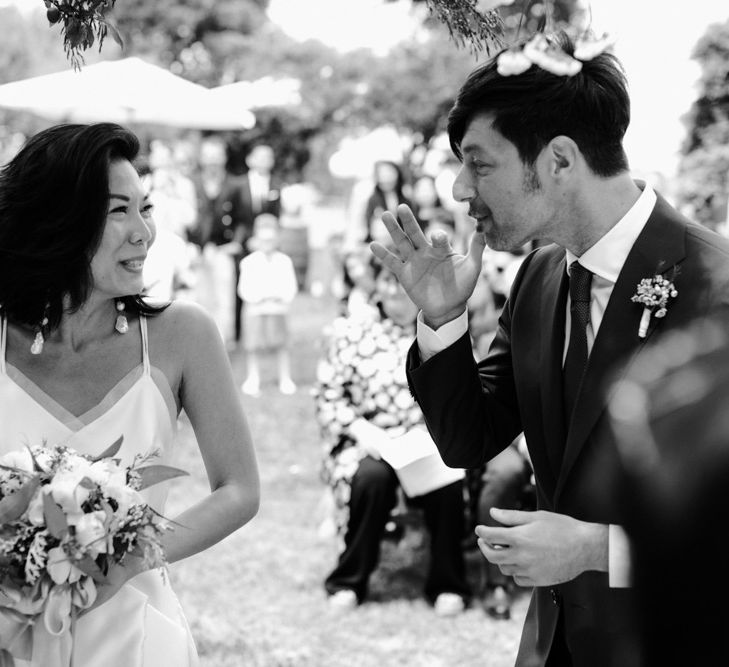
704 166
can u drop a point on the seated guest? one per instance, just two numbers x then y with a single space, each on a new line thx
362 401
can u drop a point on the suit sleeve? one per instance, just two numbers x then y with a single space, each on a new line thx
471 409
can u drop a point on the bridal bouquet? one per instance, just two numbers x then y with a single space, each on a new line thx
65 520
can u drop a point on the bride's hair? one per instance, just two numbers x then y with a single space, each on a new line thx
53 206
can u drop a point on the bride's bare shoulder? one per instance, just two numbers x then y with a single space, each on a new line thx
182 325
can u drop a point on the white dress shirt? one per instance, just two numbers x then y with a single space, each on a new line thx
605 259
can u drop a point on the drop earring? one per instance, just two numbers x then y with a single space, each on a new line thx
37 346
122 326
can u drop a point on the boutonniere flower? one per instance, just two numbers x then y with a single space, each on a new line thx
653 293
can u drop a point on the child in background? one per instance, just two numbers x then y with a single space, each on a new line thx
267 286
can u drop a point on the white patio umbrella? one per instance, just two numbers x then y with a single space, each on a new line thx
264 92
123 91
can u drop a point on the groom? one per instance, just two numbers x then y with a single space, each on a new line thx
542 158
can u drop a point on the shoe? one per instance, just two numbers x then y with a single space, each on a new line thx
449 604
497 603
251 388
344 599
287 387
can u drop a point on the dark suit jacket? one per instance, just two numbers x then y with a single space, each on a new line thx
474 411
230 215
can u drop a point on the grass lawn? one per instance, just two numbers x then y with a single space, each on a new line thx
257 597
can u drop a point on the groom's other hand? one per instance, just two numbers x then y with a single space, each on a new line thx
543 548
437 279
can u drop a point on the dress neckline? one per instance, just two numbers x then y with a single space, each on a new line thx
123 387
61 413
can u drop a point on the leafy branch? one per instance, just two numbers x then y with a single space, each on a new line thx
83 24
481 31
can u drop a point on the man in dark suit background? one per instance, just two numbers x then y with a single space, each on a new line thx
542 158
259 191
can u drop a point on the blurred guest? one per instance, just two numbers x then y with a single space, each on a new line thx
504 483
259 192
387 195
168 268
483 314
362 390
426 200
359 283
175 200
669 415
216 193
267 286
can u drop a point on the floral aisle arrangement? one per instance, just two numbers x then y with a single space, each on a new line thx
65 520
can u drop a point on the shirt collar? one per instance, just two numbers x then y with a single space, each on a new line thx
606 257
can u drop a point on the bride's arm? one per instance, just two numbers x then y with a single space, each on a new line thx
212 402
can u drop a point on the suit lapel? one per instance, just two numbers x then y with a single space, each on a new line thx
554 303
659 247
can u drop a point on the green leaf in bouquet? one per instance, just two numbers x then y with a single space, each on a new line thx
17 471
88 566
36 466
154 474
110 451
88 484
13 506
55 519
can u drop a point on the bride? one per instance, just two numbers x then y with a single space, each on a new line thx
85 359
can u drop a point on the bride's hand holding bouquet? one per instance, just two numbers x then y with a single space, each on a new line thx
73 530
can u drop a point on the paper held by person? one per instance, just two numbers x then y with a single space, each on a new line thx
414 457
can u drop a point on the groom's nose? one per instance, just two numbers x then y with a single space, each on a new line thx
463 189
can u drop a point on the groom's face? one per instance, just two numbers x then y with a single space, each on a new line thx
504 195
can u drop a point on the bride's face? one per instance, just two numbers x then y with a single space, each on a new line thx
128 233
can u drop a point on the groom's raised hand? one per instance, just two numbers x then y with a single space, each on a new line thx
438 280
543 548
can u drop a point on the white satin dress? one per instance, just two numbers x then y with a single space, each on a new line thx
143 624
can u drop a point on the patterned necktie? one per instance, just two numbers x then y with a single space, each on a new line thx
576 359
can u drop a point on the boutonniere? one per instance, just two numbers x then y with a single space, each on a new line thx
653 293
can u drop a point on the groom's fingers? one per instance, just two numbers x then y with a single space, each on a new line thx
440 242
397 234
390 260
511 517
495 537
411 227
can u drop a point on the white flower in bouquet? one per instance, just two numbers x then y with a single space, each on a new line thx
67 492
60 568
91 533
20 460
34 513
65 520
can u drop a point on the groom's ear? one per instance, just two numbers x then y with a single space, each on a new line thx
562 156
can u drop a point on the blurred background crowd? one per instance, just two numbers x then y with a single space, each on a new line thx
270 184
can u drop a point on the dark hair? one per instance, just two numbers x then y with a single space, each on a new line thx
54 197
530 109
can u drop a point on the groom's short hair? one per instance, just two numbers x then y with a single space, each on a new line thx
591 107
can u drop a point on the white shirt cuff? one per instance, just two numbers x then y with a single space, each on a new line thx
619 566
430 341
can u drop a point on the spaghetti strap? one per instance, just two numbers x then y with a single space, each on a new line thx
3 341
145 345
